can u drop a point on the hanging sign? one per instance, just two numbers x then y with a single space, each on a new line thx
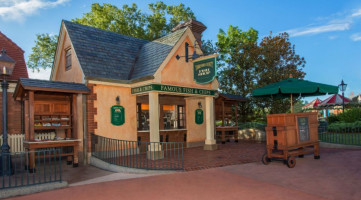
117 115
204 71
199 116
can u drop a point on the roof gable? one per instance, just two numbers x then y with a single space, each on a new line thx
107 55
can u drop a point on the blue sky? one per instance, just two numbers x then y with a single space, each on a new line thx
326 32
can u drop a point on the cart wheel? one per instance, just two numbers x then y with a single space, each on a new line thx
301 156
265 159
291 162
317 157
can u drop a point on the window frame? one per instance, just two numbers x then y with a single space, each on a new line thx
68 60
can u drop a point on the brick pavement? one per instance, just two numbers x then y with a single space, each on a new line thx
227 154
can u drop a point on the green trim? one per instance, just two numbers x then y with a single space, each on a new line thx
173 89
204 71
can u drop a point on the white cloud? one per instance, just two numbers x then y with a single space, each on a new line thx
18 10
336 22
357 13
356 37
42 74
318 29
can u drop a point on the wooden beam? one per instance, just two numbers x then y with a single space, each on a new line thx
55 90
74 118
31 116
235 109
26 121
222 113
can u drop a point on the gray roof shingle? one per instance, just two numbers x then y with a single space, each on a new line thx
107 55
26 82
233 97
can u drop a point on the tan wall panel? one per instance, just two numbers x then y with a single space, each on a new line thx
196 132
74 74
105 100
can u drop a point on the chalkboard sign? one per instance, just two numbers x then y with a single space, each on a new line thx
303 129
117 115
199 116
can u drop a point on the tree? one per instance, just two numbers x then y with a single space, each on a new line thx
238 61
128 20
43 52
278 61
246 65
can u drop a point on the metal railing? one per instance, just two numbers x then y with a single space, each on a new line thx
139 154
21 169
340 135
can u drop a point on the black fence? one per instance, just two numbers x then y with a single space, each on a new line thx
340 135
30 168
139 154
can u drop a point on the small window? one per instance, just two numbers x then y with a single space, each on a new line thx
67 59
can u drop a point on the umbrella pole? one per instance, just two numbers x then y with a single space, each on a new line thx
291 104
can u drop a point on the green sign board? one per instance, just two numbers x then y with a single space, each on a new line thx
173 89
199 116
204 71
117 115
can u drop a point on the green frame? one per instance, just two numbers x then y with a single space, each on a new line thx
205 78
117 115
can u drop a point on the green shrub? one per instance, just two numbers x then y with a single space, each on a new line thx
351 115
332 119
344 127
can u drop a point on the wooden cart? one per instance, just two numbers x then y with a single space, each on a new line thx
290 135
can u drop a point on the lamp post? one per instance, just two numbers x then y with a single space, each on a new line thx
342 87
7 65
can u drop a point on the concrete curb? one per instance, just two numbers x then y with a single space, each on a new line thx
115 168
338 146
12 192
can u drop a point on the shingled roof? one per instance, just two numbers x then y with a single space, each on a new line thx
30 84
232 97
107 55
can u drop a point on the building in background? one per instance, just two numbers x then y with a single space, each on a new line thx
15 119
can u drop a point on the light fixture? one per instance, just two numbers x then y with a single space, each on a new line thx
186 55
199 104
343 87
117 100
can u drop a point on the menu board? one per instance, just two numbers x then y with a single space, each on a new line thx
303 129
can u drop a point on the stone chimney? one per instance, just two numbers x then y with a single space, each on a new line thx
196 27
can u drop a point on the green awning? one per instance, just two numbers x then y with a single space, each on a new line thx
294 86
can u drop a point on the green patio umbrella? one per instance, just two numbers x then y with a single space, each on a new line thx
294 86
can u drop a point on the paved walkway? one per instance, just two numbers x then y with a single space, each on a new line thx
227 154
336 175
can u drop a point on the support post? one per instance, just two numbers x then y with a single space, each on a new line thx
210 142
155 151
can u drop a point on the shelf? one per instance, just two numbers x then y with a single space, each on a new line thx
51 127
59 120
52 114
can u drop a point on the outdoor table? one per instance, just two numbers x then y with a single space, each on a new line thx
72 156
224 129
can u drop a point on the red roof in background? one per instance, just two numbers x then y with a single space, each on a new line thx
313 104
16 53
334 99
